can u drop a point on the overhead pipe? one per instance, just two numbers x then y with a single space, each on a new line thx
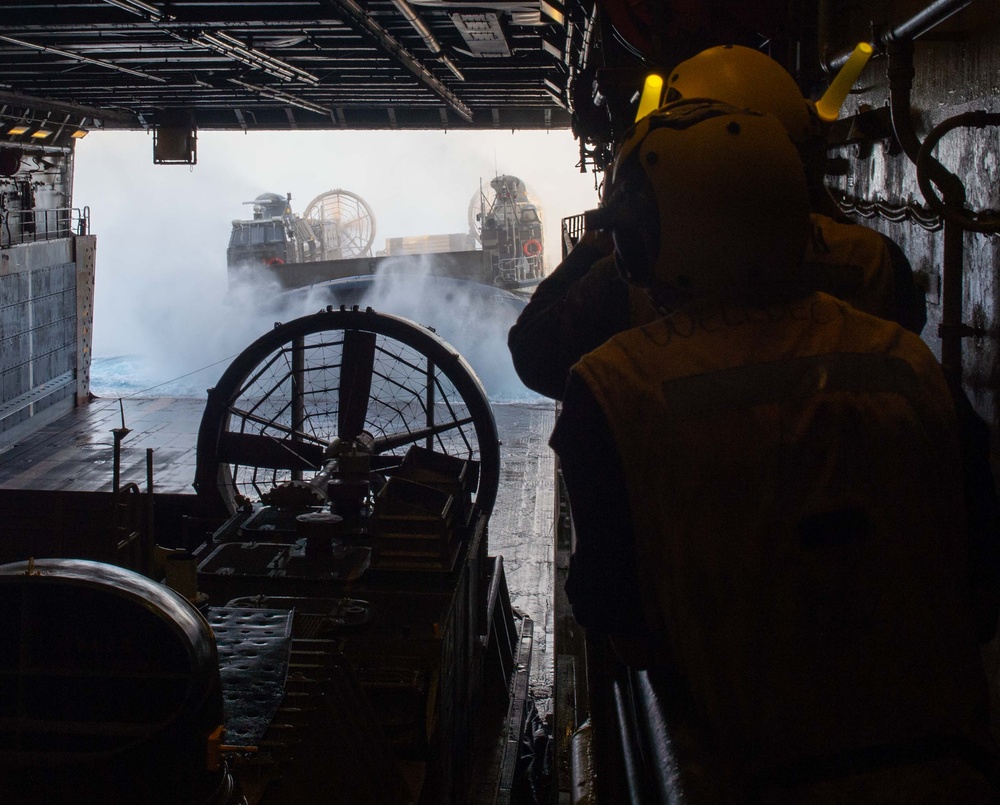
66 54
392 46
33 149
985 222
35 102
957 221
427 35
897 43
913 28
901 72
921 22
279 95
145 10
226 45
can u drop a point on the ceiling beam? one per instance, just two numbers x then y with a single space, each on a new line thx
48 105
390 45
77 57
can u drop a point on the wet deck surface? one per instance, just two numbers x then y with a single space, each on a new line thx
75 453
522 525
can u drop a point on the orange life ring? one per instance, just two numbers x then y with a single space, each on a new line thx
275 261
532 247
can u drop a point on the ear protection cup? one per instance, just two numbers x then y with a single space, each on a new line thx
634 223
636 235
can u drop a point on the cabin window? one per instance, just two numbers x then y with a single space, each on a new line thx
240 236
270 232
275 232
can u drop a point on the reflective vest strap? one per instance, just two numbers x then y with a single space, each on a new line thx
790 380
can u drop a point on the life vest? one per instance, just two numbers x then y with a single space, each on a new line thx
794 489
848 261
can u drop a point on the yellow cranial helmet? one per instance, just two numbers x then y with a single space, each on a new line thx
746 78
708 199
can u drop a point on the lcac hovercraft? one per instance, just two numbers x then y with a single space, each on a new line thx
333 630
333 241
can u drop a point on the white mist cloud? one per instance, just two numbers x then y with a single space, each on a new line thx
472 318
162 231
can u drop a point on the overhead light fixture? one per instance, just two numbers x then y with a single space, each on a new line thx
483 34
41 134
18 130
552 11
79 134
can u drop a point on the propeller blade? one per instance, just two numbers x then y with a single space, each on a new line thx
256 450
357 365
392 441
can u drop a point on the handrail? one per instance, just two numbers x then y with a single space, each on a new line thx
36 394
520 269
19 226
572 230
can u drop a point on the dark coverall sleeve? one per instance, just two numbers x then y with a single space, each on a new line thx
573 311
602 586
